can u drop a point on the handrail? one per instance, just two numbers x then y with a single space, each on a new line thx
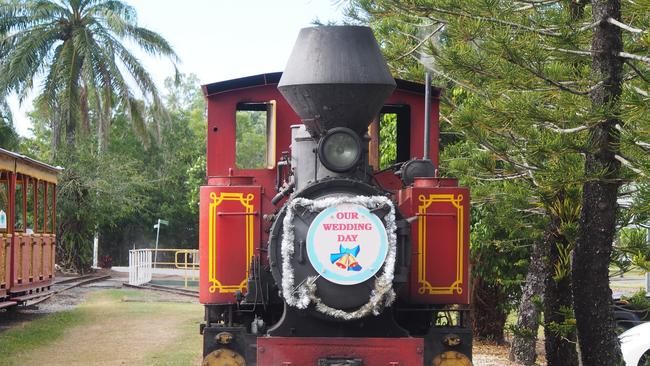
141 268
186 253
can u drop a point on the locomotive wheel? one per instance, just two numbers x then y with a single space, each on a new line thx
452 358
223 357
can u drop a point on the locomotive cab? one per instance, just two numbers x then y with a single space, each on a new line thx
310 253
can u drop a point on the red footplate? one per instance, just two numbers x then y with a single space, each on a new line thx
290 351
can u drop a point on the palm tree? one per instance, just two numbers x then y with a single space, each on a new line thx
76 50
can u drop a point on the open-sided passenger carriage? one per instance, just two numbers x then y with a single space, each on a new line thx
27 227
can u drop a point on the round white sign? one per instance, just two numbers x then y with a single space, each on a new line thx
347 244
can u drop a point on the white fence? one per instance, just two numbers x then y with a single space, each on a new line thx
140 265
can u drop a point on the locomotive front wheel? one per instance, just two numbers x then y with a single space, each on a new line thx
452 358
223 357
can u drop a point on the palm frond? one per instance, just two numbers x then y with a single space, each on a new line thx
75 44
25 61
151 42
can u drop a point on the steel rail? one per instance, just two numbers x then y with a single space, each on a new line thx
72 279
188 291
82 280
173 290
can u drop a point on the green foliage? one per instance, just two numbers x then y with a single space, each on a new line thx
88 198
174 168
195 178
78 49
387 140
563 265
638 301
120 192
521 332
565 328
516 116
251 139
499 252
89 81
566 210
506 219
9 139
631 250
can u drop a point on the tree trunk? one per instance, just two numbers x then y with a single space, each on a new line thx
487 315
560 346
592 295
70 124
103 102
55 123
85 110
524 342
72 101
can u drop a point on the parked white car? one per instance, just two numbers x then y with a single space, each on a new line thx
635 343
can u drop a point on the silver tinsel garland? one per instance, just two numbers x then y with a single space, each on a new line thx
381 296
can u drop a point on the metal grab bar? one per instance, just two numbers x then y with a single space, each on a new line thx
141 264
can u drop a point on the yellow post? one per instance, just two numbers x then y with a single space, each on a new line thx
185 269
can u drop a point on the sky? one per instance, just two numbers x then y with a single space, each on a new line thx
220 39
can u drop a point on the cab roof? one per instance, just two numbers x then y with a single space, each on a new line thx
273 78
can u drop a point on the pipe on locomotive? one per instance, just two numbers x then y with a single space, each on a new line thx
427 113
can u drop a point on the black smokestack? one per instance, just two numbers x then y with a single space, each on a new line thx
336 77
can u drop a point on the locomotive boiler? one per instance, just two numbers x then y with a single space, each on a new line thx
311 253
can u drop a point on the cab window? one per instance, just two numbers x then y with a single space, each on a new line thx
255 135
390 137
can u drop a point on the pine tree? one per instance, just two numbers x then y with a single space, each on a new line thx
540 101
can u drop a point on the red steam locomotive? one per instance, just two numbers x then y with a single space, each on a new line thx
311 254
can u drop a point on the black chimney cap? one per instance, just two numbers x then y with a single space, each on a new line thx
336 76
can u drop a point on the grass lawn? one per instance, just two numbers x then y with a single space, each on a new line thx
112 327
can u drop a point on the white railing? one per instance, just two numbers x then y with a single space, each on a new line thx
140 265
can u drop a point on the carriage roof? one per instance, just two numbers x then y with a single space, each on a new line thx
18 163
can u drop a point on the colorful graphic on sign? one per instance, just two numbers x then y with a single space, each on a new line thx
347 244
346 258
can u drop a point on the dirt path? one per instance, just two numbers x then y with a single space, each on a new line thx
129 327
126 328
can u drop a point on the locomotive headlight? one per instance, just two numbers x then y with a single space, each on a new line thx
340 149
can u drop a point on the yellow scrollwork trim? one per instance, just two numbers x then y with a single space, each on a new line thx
212 238
425 286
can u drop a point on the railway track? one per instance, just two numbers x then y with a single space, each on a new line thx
169 289
62 286
61 281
